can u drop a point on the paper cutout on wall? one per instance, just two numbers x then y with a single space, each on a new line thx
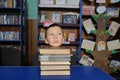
114 44
114 28
85 45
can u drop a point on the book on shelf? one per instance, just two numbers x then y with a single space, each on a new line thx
44 15
42 36
46 23
55 72
60 2
54 67
46 2
73 2
114 1
54 51
70 18
56 17
71 37
100 1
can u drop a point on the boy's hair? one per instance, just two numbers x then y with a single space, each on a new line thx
52 25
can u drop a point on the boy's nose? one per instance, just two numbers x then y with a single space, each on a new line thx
55 36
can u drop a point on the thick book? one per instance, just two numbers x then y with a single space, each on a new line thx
54 51
54 62
54 67
42 56
54 59
55 72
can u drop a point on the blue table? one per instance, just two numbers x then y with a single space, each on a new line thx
33 73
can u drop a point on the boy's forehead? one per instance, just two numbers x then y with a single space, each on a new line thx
54 28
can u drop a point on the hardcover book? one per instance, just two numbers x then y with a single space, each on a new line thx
69 19
54 62
71 37
55 72
55 67
100 1
56 17
54 51
49 2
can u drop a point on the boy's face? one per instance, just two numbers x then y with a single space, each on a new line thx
54 36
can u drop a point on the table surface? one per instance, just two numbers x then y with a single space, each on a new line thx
33 73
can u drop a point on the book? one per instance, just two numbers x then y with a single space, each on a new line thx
49 2
44 15
113 28
56 17
69 19
100 1
46 23
54 51
71 37
55 59
54 67
55 56
55 72
114 1
73 2
114 44
85 45
54 62
60 2
88 25
42 36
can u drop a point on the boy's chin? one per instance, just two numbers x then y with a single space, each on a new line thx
55 45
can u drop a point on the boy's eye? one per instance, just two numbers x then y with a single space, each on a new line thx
59 33
50 34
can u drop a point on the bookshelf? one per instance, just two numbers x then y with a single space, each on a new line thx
100 31
48 11
12 24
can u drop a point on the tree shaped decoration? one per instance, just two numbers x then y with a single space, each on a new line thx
101 57
101 53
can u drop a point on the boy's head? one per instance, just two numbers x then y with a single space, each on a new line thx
54 35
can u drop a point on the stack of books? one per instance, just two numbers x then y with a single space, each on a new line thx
55 61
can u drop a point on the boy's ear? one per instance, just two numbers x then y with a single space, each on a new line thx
46 41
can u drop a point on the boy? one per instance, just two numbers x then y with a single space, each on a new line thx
53 37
